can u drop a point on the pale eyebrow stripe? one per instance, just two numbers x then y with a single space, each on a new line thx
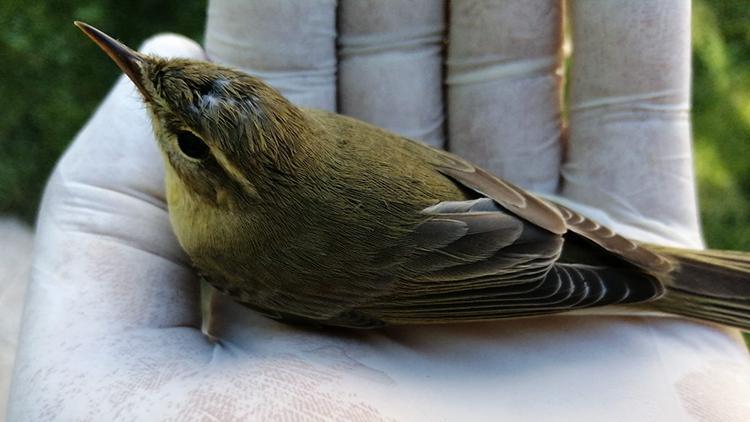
233 171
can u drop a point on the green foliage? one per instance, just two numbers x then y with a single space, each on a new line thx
53 78
721 120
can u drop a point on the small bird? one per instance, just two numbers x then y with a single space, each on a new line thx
313 217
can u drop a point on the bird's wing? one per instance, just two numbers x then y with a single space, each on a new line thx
615 244
516 200
552 217
477 262
499 257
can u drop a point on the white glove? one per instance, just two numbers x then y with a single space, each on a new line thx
111 329
15 244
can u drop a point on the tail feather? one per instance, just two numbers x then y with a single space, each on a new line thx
710 285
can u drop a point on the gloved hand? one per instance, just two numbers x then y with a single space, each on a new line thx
16 242
112 325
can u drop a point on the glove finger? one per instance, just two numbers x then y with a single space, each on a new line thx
629 147
390 68
290 44
503 77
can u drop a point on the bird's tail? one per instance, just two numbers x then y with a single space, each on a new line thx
710 285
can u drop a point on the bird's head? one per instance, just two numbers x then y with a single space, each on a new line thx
221 131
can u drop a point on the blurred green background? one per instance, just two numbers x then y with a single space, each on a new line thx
52 79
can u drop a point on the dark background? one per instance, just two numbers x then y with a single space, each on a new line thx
52 78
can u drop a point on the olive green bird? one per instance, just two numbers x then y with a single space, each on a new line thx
311 216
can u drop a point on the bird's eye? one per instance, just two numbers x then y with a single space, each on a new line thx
191 145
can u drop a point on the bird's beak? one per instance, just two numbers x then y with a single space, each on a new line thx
128 60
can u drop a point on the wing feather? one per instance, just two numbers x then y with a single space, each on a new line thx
615 244
491 264
498 256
